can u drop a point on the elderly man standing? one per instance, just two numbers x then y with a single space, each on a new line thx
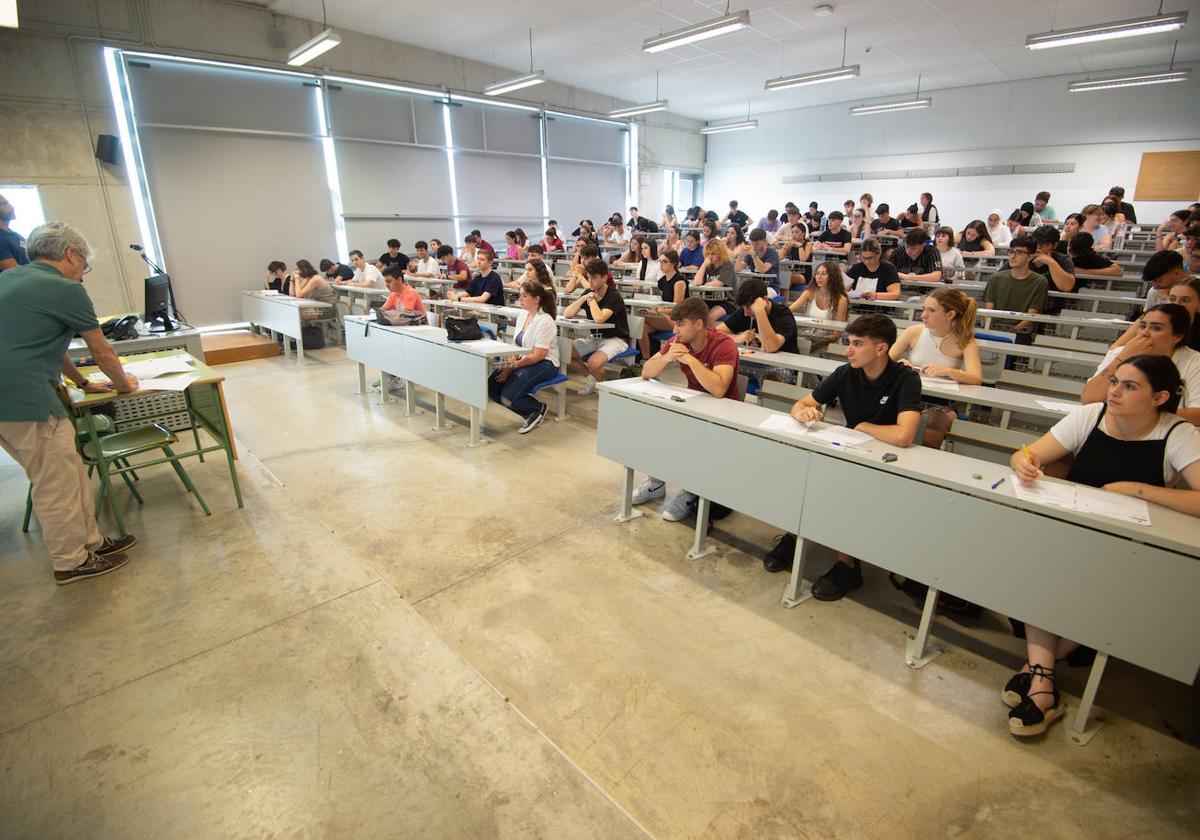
42 305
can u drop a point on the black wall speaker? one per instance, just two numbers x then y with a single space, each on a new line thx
108 148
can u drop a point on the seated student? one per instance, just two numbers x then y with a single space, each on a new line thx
1162 331
929 211
485 286
536 332
858 226
482 243
758 321
1168 235
669 219
1162 271
550 241
1029 213
365 275
674 239
435 245
884 224
469 250
1093 223
735 217
603 304
1016 224
1069 229
915 258
998 229
911 218
522 240
1117 194
866 201
708 232
735 240
576 273
952 259
615 233
336 272
307 282
1058 269
455 269
647 266
512 248
641 223
769 222
709 362
825 297
762 258
673 289
536 271
1086 260
1132 444
942 345
278 278
692 254
633 254
534 251
1042 207
873 277
403 296
792 221
879 397
1018 289
834 238
425 264
717 270
815 217
392 256
975 239
848 208
1186 293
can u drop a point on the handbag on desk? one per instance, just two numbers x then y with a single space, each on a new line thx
400 317
462 328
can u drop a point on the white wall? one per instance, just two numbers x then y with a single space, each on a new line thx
1033 121
664 147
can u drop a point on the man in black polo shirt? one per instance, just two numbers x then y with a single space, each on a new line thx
336 272
879 397
884 224
758 320
915 258
392 256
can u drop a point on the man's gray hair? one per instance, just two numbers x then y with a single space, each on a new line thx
51 241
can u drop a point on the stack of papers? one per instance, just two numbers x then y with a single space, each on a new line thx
836 435
654 388
936 383
1084 499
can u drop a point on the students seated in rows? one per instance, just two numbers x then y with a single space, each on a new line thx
883 223
278 278
455 269
873 277
942 345
717 270
336 272
975 239
647 265
673 289
1087 260
485 286
735 217
692 254
403 296
1132 443
1018 289
952 259
307 282
997 228
709 362
834 239
365 274
879 397
762 258
536 332
392 256
1162 331
758 321
603 304
915 259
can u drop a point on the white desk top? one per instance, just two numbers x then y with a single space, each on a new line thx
414 280
437 335
288 300
1113 323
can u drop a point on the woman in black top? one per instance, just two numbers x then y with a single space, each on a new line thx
929 211
976 239
672 288
1134 446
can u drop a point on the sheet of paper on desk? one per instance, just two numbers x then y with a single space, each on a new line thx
933 383
785 424
1113 505
167 383
1058 405
654 388
840 436
151 368
1057 494
490 345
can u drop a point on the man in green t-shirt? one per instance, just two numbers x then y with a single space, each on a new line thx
1019 289
42 305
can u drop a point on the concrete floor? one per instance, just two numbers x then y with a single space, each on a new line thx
402 637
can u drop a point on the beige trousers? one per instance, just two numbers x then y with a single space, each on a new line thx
62 493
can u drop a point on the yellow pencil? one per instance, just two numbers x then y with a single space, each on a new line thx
1028 457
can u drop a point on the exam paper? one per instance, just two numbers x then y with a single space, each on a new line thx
935 383
1113 505
1058 405
151 368
490 345
840 436
1045 492
167 383
785 424
654 388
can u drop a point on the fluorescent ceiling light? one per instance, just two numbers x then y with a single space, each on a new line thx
319 45
645 108
737 126
8 13
834 75
1107 31
698 32
888 107
1129 81
509 85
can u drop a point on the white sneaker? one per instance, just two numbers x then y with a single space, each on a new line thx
589 386
649 490
681 507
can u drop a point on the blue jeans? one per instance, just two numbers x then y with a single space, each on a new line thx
514 395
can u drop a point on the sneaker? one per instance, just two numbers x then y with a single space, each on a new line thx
839 580
681 507
779 558
533 421
649 490
92 567
589 386
111 546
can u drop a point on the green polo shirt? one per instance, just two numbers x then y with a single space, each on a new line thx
40 310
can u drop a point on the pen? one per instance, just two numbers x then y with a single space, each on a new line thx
998 483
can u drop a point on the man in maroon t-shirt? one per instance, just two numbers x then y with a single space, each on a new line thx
456 269
709 361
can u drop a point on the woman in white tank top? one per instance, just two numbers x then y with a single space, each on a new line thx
825 299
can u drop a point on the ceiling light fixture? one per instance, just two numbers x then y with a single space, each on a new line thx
737 126
888 107
644 108
1129 81
1108 31
323 43
835 74
533 77
699 31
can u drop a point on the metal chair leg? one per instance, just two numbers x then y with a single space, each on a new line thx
187 482
132 489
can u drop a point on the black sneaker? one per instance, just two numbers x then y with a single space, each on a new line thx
111 546
533 421
779 558
839 580
94 566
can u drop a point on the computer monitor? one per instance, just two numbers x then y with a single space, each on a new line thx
158 303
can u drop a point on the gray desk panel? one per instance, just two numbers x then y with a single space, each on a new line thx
447 370
369 344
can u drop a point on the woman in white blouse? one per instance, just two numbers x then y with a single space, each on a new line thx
537 333
952 260
648 269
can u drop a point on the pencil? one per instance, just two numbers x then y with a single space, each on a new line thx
1028 457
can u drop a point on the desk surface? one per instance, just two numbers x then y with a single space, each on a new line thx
437 335
288 300
204 375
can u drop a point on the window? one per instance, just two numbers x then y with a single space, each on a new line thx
27 208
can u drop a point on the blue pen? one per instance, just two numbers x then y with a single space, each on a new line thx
998 483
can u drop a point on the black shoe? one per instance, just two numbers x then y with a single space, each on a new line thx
1027 719
533 421
111 546
779 558
94 566
717 511
1016 689
839 580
